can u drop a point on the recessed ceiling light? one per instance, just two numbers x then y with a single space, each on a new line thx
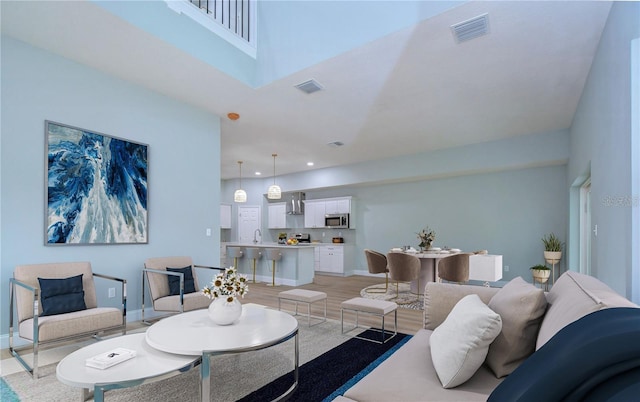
258 173
309 163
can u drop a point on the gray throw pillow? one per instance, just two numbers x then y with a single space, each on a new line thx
521 307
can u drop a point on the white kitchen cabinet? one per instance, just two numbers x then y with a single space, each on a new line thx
331 259
338 206
225 216
277 215
314 212
316 258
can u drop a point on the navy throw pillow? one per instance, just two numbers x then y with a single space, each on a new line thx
60 296
174 281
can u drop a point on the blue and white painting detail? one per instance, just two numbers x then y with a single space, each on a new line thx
97 188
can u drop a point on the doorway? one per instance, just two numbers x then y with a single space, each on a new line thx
249 220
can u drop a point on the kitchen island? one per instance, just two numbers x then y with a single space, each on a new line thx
295 268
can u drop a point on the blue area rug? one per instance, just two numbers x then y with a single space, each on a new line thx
6 393
331 374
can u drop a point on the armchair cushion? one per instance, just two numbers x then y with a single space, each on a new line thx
61 295
174 281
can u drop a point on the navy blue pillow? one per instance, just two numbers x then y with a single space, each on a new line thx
174 281
60 296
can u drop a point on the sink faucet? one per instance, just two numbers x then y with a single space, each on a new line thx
255 236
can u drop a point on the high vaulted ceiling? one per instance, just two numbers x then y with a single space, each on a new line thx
412 91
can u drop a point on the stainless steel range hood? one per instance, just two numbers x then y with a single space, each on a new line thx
295 206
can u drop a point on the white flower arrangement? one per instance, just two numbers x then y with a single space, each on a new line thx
426 236
229 284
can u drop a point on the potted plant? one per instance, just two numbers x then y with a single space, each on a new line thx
540 273
552 248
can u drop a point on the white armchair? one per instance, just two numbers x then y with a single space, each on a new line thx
56 302
173 285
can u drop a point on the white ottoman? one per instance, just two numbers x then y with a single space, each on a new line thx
374 307
304 296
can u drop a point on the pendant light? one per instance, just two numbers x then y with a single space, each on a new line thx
274 192
240 195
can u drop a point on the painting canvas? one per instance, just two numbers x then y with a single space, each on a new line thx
96 188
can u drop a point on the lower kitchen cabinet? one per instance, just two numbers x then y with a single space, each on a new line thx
333 259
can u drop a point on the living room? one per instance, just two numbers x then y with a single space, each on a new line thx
499 195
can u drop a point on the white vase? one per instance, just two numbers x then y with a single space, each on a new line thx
222 312
541 275
552 257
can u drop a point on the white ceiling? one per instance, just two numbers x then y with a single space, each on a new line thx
409 92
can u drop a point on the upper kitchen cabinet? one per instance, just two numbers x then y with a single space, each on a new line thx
314 211
338 206
225 216
277 215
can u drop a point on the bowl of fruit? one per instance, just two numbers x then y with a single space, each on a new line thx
292 242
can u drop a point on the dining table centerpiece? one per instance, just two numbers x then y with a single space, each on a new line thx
224 290
426 237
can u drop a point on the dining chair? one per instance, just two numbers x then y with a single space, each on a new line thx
404 268
454 268
377 264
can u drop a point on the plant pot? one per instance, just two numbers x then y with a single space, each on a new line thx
552 257
222 312
541 275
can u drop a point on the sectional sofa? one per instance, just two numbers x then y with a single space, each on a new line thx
475 348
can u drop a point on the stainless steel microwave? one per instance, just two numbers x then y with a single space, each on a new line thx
338 221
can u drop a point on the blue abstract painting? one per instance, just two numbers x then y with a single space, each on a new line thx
96 188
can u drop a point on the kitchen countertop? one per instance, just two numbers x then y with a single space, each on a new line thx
270 245
277 245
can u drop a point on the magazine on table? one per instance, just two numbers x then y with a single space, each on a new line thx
110 358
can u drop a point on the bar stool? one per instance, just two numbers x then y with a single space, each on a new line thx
235 252
274 255
254 254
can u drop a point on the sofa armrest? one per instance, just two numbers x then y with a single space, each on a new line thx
440 298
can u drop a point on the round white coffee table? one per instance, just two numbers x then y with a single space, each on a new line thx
149 365
194 333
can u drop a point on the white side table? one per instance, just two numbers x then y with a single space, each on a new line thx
148 366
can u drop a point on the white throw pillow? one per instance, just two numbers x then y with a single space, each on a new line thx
460 344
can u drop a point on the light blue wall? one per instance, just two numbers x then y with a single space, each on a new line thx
601 142
184 168
292 35
502 196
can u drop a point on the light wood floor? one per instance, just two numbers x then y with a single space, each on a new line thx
338 289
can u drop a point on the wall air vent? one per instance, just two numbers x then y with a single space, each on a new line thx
309 87
335 144
471 29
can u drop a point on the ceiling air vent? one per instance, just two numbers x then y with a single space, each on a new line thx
309 87
471 29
